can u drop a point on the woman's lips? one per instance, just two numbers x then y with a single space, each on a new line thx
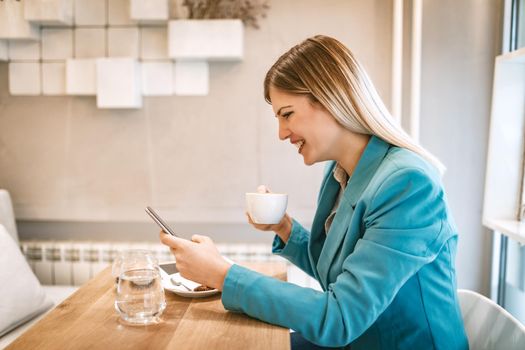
299 144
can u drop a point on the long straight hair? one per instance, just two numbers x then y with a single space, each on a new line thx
327 72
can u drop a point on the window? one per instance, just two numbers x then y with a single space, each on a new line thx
516 24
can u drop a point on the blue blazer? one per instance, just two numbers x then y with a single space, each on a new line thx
386 265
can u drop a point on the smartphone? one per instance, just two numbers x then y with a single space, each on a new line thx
169 268
160 222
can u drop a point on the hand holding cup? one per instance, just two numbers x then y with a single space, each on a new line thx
266 211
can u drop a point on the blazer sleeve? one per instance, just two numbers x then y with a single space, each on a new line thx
403 232
296 249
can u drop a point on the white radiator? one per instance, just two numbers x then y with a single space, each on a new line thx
74 262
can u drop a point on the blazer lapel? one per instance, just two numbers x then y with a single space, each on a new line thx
334 239
327 196
325 247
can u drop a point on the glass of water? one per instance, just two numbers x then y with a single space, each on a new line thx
127 254
140 297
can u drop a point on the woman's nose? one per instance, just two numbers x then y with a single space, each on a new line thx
284 132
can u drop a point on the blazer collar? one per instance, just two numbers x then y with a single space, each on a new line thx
370 160
323 248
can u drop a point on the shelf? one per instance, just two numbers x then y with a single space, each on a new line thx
118 83
512 228
206 40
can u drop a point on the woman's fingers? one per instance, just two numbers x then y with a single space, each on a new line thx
262 227
201 239
171 241
250 221
263 189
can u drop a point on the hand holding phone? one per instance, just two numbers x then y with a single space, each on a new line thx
160 222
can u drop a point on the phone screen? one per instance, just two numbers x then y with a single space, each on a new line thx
159 221
170 268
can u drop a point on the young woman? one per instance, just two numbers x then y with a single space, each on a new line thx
382 243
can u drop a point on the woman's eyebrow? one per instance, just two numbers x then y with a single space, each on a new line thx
280 109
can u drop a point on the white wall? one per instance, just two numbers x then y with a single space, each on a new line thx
460 41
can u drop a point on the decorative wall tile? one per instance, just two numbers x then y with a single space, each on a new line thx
49 12
53 78
154 43
149 11
119 13
13 25
118 83
123 42
90 42
90 12
157 78
24 78
191 78
81 77
57 44
24 50
218 39
3 50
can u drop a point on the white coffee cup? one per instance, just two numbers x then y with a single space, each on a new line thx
266 208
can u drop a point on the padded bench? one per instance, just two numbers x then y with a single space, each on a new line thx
24 301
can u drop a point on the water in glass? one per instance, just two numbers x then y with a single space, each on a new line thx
140 296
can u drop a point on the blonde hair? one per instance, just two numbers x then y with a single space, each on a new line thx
326 70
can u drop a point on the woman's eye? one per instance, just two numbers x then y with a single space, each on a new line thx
287 115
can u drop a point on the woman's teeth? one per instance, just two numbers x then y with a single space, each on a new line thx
299 145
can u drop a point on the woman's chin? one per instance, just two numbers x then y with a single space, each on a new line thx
308 161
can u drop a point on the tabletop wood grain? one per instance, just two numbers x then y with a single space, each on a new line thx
88 320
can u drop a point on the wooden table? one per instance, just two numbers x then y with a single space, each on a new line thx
88 320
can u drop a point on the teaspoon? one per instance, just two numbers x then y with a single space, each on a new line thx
179 283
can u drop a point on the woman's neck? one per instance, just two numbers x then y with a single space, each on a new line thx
351 148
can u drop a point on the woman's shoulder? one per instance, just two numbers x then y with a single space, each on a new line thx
401 165
398 158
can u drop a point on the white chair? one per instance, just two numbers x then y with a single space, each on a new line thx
488 325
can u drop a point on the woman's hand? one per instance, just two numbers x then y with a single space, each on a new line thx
198 260
282 229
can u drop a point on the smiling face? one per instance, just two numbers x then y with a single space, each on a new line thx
308 125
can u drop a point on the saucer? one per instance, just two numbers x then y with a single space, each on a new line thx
182 291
